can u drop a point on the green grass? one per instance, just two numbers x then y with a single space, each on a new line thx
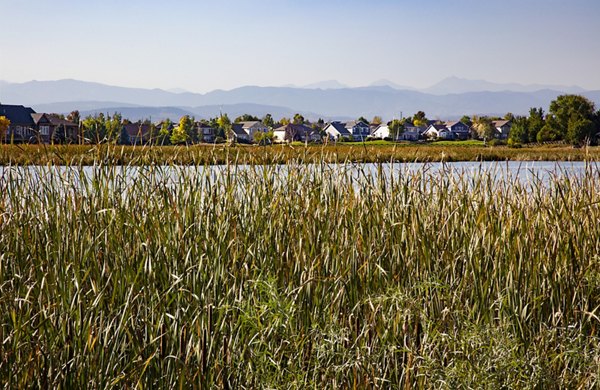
470 142
163 277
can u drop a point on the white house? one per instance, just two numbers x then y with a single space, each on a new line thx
253 127
382 131
356 130
336 130
448 130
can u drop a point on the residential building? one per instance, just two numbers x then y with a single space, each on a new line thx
336 130
238 133
503 128
253 127
51 128
22 128
138 133
359 130
206 133
292 132
449 130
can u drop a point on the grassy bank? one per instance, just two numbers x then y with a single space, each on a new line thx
311 279
278 154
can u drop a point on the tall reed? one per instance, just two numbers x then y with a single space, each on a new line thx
297 276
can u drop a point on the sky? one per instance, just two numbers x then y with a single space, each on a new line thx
205 45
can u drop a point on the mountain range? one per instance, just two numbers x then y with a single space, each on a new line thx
449 99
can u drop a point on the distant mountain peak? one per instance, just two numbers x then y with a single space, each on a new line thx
454 84
391 84
327 84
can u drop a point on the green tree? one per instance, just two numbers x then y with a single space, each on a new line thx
466 120
571 119
519 132
113 126
165 132
535 123
396 128
298 119
284 121
268 121
123 137
245 118
484 127
94 128
363 120
182 134
4 124
376 120
225 127
419 119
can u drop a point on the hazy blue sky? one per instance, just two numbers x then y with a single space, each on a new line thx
205 45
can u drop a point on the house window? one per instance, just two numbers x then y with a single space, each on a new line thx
44 130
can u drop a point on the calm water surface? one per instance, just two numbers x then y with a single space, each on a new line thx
523 171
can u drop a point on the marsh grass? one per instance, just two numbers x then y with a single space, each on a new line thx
368 152
297 276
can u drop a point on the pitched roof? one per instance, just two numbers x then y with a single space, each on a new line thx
438 126
250 123
351 124
340 127
500 123
17 115
238 129
53 120
137 129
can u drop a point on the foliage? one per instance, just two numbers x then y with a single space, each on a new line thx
376 120
183 133
297 276
4 124
419 119
535 123
466 120
396 128
571 119
519 132
298 119
484 128
246 118
268 121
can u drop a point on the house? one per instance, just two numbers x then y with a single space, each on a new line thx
411 132
336 130
382 131
138 133
238 133
292 132
253 127
436 130
459 130
54 129
409 135
206 133
22 128
359 130
503 128
449 130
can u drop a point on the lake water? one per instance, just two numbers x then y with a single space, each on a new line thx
522 171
